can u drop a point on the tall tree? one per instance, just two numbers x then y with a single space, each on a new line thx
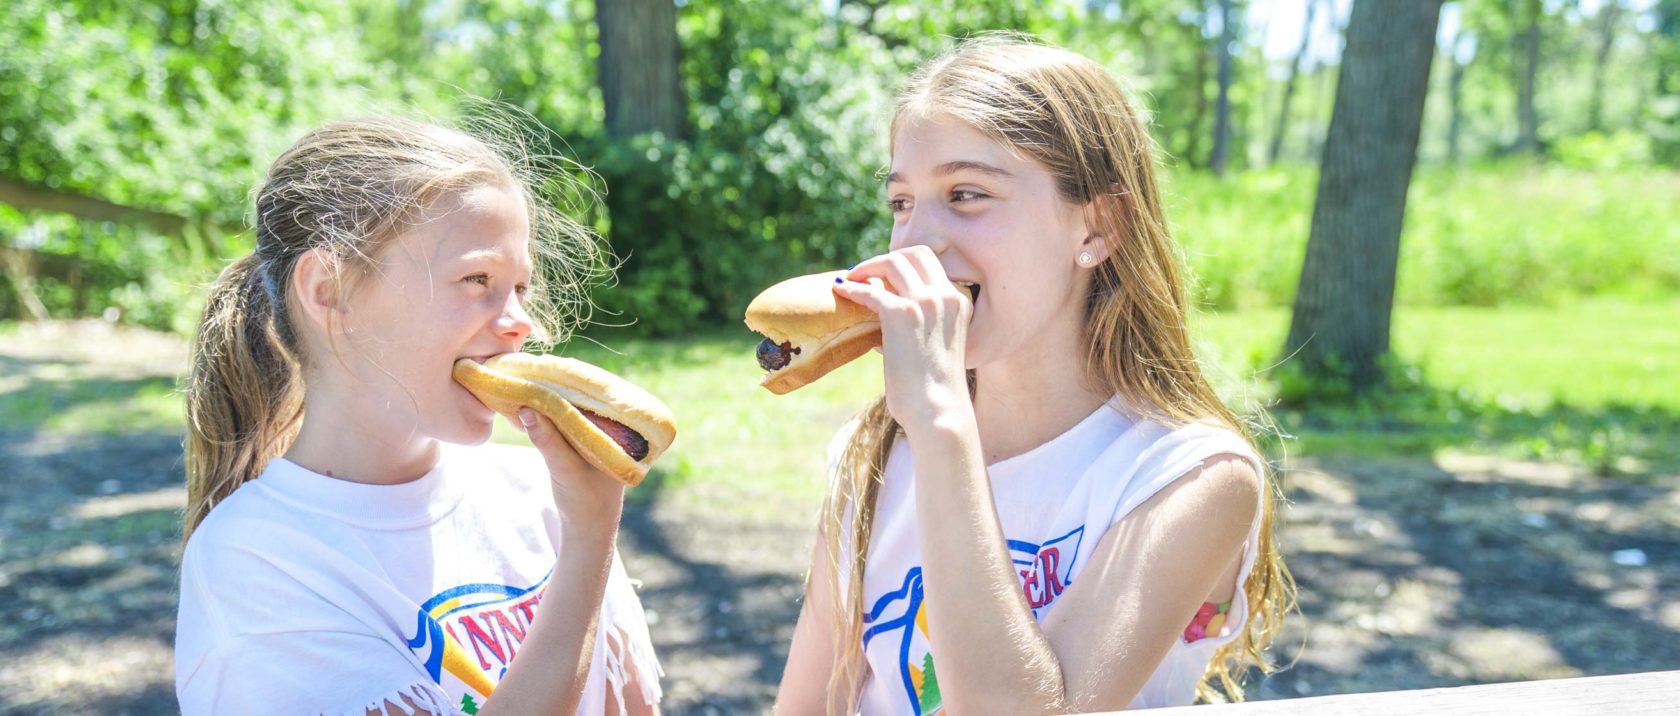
1528 115
638 67
1198 83
1222 109
1455 92
1289 86
1664 98
1607 17
1345 300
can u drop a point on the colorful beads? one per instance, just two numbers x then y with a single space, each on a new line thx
1209 620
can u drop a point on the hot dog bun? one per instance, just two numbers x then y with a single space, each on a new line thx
821 330
568 391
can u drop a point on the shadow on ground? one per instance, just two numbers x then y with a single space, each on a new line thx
1415 574
722 597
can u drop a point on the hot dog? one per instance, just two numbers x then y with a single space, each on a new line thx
808 331
614 424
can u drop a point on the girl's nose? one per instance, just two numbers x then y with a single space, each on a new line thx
514 323
922 228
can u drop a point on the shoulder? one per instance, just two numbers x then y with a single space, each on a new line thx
1223 487
1161 446
1201 465
240 528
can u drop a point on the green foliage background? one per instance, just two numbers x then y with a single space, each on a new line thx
176 106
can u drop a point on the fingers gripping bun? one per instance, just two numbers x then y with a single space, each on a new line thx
808 330
614 424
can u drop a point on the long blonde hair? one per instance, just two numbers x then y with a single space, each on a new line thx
345 189
1070 115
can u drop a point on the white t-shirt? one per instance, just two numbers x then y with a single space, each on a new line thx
302 593
1054 503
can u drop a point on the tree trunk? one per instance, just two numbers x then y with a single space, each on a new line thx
1345 300
1289 87
638 67
1528 117
1222 110
16 266
1455 97
1606 39
1661 103
1193 143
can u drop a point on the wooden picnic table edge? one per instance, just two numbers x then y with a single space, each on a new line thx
1619 694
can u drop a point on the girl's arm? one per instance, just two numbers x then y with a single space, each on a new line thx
554 665
1147 578
812 658
1148 575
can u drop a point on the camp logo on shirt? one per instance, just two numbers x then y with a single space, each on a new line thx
471 632
1046 570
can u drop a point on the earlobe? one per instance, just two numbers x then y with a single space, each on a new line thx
1092 251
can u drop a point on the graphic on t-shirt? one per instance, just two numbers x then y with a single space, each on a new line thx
901 613
485 625
1045 569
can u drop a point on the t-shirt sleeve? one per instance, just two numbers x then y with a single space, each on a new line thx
308 673
1175 455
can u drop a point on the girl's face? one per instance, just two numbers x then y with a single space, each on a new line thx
451 286
995 219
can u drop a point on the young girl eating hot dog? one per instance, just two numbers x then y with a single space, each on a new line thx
1048 510
352 546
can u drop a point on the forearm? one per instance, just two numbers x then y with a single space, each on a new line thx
549 676
988 648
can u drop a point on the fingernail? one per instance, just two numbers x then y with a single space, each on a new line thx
528 417
839 280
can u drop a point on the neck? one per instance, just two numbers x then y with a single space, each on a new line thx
356 442
1027 399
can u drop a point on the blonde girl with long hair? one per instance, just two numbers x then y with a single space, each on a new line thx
353 546
1048 510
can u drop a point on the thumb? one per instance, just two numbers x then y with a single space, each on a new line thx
538 428
556 450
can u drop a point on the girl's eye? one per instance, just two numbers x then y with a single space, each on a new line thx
964 195
482 279
898 205
520 289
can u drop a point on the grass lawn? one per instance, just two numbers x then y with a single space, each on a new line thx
1595 382
1590 355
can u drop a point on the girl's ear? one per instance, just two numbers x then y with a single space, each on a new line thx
317 286
1107 212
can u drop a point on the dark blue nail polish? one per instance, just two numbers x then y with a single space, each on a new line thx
839 280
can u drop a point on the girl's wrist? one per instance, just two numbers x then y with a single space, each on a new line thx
590 523
943 416
588 534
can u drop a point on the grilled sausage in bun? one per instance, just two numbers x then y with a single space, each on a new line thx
615 425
